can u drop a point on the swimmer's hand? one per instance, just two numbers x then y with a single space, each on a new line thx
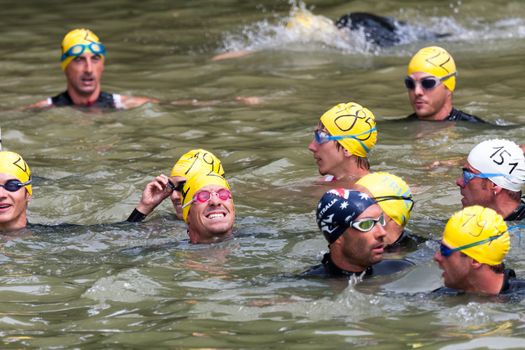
154 193
231 54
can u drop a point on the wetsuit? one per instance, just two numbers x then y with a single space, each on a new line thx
104 100
328 269
511 286
407 241
136 216
518 213
454 116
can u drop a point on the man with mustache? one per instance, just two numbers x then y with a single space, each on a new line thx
430 82
83 58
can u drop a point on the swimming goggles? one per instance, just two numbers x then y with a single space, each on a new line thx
78 49
469 176
367 225
178 187
427 83
323 137
205 195
14 185
396 198
447 251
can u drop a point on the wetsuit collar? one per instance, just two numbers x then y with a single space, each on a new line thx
334 270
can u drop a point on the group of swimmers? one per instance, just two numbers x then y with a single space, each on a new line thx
362 216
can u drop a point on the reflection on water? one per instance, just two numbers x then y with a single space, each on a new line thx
99 282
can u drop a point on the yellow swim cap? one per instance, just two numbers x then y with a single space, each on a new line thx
196 161
354 121
79 37
195 183
435 61
475 224
391 193
13 164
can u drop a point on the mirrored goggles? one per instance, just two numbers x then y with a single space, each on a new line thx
469 176
427 83
14 185
78 49
447 251
321 136
367 225
397 198
205 195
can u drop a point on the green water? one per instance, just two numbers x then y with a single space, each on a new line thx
103 284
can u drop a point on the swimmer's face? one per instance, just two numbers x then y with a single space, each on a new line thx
359 250
477 191
432 103
212 220
393 230
456 268
328 156
13 206
84 73
176 200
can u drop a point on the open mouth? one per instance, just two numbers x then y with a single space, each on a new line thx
216 215
4 206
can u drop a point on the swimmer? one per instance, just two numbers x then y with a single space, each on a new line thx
475 242
83 58
15 191
493 176
395 199
344 136
430 83
353 224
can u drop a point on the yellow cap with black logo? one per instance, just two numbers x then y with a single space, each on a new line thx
13 164
194 184
356 123
436 61
391 193
483 230
196 161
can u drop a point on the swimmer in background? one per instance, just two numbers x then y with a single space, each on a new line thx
200 196
344 136
493 176
395 199
430 83
353 224
15 192
83 59
475 242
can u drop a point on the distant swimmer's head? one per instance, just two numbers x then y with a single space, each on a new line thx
435 61
391 193
353 126
14 165
314 26
478 232
337 210
76 42
196 161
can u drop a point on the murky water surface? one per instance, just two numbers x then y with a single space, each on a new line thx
100 283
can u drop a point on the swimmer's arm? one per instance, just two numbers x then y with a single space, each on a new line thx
154 193
38 105
231 54
136 101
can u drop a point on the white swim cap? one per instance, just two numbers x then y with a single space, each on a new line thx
500 157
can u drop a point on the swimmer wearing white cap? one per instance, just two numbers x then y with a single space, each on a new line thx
493 177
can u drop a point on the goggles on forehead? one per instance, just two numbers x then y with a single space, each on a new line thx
204 195
427 83
367 225
469 176
447 251
14 185
78 49
323 137
396 198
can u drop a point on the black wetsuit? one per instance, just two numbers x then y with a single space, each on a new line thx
518 213
104 100
327 269
406 242
511 286
136 216
454 116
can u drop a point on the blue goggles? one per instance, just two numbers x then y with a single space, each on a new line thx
469 176
321 137
14 185
78 49
447 251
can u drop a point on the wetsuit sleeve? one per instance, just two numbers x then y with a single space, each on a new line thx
136 216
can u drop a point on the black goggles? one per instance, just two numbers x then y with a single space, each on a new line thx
14 185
